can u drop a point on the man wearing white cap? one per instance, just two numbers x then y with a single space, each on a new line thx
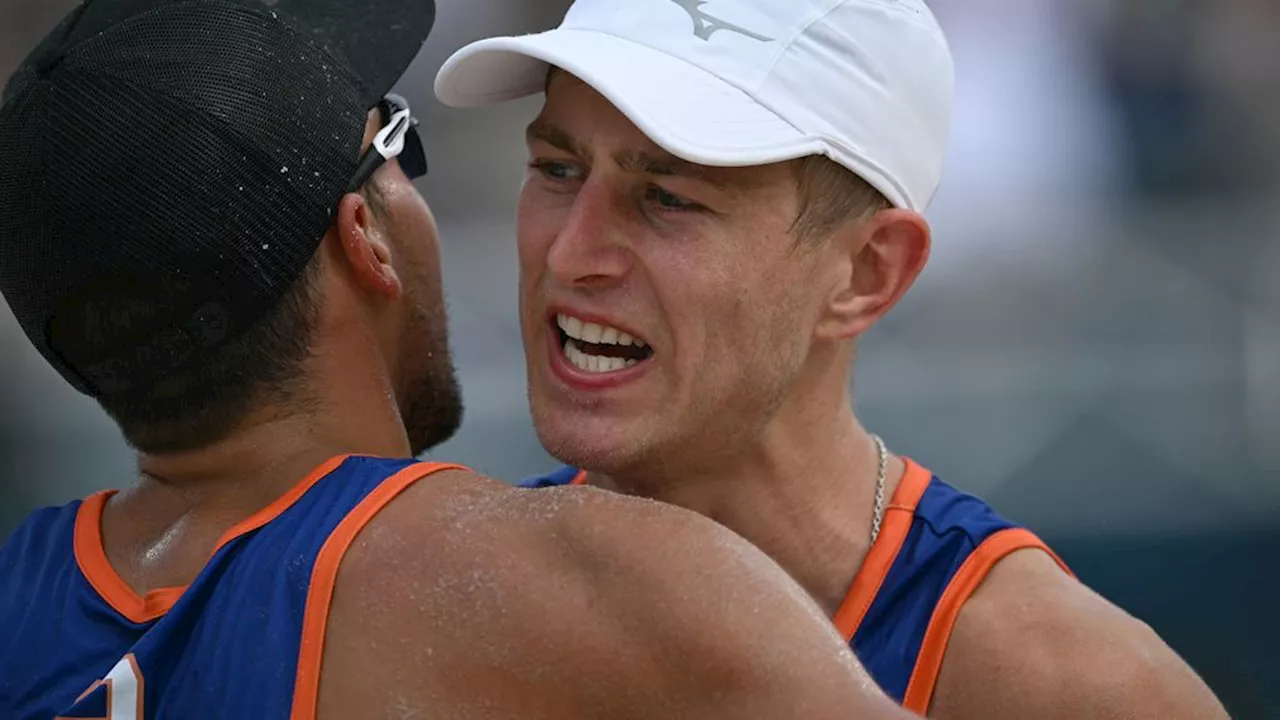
722 198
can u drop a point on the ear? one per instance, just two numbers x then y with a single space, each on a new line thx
881 259
364 248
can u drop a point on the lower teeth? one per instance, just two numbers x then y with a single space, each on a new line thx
595 363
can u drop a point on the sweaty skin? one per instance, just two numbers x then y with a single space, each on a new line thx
468 599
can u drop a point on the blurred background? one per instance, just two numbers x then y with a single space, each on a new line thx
1094 347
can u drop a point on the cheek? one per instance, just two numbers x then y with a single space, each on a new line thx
759 323
534 235
537 226
703 293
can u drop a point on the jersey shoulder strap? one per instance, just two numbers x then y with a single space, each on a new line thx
935 547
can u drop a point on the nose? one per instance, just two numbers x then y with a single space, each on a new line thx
591 251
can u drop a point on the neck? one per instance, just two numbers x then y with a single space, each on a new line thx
160 532
260 462
802 490
345 405
276 447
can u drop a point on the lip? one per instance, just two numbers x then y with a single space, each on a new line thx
570 375
589 317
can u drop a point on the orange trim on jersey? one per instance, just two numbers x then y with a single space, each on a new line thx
142 685
972 572
91 556
898 517
580 478
324 574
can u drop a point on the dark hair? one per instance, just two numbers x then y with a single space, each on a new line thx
830 195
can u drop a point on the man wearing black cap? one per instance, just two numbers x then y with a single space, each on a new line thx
207 223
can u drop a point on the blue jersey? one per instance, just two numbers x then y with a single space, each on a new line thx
936 544
244 640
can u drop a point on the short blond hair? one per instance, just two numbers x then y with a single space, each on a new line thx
831 195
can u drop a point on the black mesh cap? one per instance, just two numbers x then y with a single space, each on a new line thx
168 168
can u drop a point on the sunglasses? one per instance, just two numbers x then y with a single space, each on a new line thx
398 138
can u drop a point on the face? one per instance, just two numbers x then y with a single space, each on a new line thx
665 307
428 395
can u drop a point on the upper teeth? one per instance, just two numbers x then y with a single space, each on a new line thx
595 334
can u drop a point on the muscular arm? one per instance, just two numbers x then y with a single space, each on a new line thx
1034 643
462 600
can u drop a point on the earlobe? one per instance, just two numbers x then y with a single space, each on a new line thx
367 255
882 259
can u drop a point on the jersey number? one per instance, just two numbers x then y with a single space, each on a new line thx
124 690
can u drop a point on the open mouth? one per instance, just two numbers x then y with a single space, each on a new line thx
594 348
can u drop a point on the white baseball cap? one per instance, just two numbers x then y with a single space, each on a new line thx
868 83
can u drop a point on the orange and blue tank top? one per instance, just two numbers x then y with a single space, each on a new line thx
936 545
243 640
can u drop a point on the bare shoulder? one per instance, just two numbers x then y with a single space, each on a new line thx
1034 642
469 598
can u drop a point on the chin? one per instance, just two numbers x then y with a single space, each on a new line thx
592 443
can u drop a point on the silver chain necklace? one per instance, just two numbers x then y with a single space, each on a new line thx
877 514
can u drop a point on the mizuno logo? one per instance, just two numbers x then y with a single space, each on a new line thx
704 25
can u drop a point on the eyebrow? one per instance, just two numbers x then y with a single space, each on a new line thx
632 161
667 165
554 136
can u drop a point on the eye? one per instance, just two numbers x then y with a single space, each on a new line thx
556 170
670 201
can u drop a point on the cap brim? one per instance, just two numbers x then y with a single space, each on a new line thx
682 108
